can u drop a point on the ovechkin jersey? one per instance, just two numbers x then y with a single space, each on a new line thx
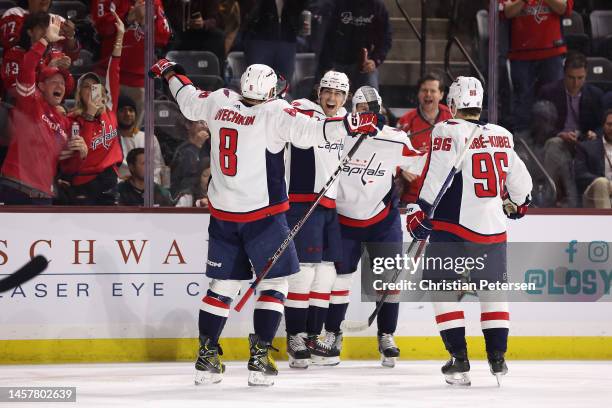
471 208
310 168
365 191
248 148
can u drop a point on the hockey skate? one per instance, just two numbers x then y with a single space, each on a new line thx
299 354
497 364
388 350
456 370
325 352
209 368
262 367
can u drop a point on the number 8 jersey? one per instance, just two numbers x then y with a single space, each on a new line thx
247 148
471 208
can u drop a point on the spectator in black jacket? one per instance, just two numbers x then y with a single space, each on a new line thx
578 104
131 191
579 117
357 41
190 158
594 168
270 34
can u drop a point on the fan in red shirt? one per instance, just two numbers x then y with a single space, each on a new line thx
132 63
96 115
13 20
429 112
40 134
101 12
536 49
34 28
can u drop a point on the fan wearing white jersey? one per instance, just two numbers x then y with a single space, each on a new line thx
318 243
247 199
470 220
368 214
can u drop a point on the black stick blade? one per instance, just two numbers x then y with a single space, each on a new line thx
33 268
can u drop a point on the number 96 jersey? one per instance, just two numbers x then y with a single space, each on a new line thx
247 148
471 208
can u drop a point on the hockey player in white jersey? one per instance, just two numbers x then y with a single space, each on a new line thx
492 183
368 214
318 243
247 199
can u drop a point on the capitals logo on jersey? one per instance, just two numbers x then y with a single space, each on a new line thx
364 169
104 138
332 147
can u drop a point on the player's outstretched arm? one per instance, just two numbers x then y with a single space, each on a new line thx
304 132
192 101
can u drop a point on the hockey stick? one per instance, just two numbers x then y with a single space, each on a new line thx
372 106
33 268
357 325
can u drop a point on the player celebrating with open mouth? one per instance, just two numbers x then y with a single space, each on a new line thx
318 243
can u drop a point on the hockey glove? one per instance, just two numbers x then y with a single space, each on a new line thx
163 67
512 210
364 122
418 223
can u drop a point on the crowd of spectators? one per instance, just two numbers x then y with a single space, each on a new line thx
72 91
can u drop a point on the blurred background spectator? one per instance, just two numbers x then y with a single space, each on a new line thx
132 137
536 49
204 25
270 33
578 103
33 29
357 41
131 191
132 65
13 19
190 159
594 168
579 113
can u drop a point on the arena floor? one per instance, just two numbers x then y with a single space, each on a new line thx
411 384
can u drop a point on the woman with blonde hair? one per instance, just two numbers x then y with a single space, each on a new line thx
95 114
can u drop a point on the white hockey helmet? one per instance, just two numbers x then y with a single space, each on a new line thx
335 80
257 82
359 97
465 92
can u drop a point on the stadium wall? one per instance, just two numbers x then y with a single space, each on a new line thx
127 287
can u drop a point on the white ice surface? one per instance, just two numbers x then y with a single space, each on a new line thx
411 384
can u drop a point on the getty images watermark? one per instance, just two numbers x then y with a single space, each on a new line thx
459 265
551 272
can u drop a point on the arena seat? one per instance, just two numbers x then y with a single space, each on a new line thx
196 62
574 33
600 72
305 66
237 63
601 32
